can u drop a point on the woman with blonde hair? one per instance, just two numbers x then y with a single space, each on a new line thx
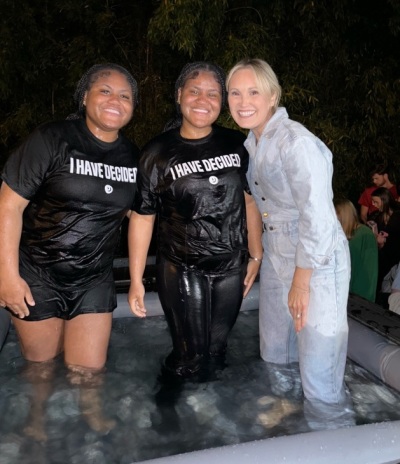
363 251
304 280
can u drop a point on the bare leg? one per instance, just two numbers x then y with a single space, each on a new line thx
86 340
40 340
40 375
85 347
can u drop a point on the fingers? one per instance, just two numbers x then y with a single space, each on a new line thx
137 306
138 309
299 320
298 307
20 311
252 272
16 297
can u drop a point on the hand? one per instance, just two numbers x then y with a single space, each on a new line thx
381 238
253 267
298 301
136 299
15 294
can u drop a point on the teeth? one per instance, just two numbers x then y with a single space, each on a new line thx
112 110
245 114
200 110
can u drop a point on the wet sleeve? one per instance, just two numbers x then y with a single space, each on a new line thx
308 167
243 170
146 199
27 167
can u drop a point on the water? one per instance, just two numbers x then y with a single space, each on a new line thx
128 415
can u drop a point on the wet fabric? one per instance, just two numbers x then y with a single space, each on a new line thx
67 304
196 188
290 175
201 308
80 189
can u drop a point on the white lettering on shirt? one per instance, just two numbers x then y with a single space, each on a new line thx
104 171
206 165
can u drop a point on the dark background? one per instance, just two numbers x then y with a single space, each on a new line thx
337 60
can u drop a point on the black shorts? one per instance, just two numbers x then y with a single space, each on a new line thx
67 304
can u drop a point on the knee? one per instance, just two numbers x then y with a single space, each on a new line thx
39 371
84 375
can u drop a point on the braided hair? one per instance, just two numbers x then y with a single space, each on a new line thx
89 78
191 71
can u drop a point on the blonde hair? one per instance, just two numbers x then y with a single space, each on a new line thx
348 217
265 77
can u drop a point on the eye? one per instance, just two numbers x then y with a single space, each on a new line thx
234 93
254 92
125 96
104 91
213 95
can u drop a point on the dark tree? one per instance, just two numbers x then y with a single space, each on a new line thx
338 62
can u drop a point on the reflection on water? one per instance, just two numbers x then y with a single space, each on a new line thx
132 413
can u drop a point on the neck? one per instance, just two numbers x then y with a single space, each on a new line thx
195 133
104 136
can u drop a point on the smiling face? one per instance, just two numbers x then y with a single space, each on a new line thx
250 106
109 105
200 101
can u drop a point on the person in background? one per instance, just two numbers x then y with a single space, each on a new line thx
304 280
363 251
380 177
387 231
65 193
193 177
394 297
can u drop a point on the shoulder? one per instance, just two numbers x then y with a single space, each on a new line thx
50 130
130 145
233 134
363 230
161 141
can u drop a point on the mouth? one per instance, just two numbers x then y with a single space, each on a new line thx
112 111
200 110
246 114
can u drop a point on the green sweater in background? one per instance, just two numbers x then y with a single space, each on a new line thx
364 263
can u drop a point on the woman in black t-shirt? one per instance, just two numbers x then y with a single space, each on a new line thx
193 178
65 193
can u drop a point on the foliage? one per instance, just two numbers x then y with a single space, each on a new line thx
338 63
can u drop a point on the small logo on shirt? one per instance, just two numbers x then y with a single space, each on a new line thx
213 180
108 188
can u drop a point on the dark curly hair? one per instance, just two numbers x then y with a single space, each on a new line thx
191 71
89 78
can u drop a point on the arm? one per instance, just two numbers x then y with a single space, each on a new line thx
364 213
139 237
254 232
14 291
308 165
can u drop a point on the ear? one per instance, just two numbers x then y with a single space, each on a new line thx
273 100
178 100
84 98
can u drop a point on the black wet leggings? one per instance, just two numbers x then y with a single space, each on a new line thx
200 308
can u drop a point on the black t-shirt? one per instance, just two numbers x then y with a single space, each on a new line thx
79 189
197 189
